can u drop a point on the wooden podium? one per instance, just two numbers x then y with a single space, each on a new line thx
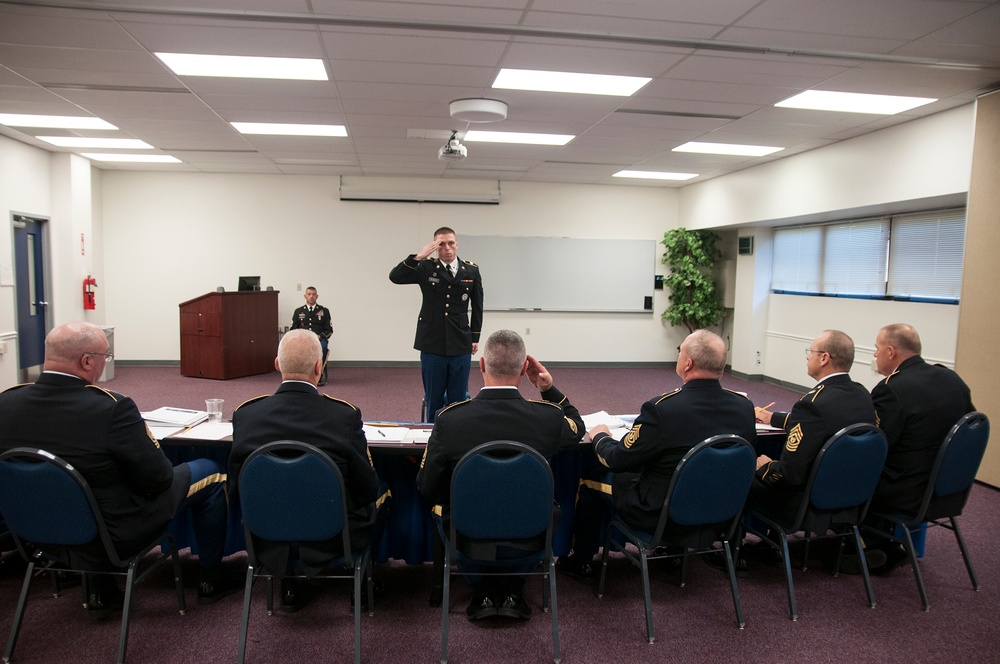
228 335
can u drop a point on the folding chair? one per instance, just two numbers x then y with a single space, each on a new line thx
297 498
703 505
948 489
502 491
49 507
837 494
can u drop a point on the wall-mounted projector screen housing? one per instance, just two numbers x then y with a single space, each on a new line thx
563 274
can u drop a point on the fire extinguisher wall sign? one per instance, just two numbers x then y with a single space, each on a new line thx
89 284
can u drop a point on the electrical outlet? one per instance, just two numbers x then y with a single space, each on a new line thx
527 331
758 358
298 287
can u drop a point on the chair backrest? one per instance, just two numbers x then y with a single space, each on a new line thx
710 483
958 459
846 470
46 501
501 490
293 492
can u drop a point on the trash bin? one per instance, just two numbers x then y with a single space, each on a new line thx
109 366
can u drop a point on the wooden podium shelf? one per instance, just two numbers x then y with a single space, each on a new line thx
229 335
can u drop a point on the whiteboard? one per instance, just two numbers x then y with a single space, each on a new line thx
562 273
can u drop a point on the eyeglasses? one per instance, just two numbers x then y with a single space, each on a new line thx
810 351
107 356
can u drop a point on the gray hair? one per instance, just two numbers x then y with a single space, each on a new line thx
298 352
504 354
707 350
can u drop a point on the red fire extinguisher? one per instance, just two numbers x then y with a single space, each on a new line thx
89 284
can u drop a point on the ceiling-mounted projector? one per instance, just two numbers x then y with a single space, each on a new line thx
453 149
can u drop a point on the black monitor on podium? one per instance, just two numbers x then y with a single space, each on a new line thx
249 284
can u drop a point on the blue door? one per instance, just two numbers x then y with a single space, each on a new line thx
29 275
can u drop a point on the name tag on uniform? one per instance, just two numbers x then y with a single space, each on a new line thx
433 280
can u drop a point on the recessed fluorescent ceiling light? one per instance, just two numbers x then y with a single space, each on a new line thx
654 175
727 148
243 66
560 81
53 121
148 158
78 142
853 102
517 137
280 129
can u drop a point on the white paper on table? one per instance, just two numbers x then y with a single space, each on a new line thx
208 431
602 417
767 427
418 436
184 417
376 434
161 431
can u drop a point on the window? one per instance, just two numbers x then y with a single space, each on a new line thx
914 256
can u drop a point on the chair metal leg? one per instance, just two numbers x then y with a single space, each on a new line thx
786 557
965 553
270 595
911 551
554 610
245 621
22 602
604 564
359 571
864 566
178 581
127 610
731 567
445 602
644 566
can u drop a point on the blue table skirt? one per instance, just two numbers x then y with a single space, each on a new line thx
411 532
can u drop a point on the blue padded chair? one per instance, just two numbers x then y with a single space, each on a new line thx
948 489
703 505
48 507
293 492
835 500
502 491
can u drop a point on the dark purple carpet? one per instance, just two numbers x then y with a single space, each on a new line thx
693 624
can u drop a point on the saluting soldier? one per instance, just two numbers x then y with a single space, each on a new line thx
445 337
315 318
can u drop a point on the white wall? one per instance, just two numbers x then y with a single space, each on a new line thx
172 237
911 166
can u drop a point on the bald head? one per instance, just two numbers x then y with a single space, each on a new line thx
895 344
76 348
300 356
703 355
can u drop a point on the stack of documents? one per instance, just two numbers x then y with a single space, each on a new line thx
180 417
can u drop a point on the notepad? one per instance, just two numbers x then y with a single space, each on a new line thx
376 434
184 417
208 431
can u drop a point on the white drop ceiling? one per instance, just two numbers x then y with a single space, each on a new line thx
718 67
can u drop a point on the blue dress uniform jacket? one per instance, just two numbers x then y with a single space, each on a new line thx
444 326
317 320
495 414
916 407
833 404
102 434
297 411
668 426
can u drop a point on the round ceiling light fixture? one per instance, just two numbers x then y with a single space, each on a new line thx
478 110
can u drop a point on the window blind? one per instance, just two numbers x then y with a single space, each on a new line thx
926 254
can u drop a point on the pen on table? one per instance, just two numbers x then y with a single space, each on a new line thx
381 433
757 411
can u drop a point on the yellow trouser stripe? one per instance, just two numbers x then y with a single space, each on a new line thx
201 484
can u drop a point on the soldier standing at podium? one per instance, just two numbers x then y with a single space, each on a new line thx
315 318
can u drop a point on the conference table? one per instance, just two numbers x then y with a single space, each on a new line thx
411 532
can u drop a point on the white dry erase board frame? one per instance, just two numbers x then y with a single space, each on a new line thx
563 273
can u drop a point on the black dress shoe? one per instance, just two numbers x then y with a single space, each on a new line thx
761 551
575 567
514 606
218 584
850 563
437 595
717 560
895 555
102 605
481 606
379 587
292 598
